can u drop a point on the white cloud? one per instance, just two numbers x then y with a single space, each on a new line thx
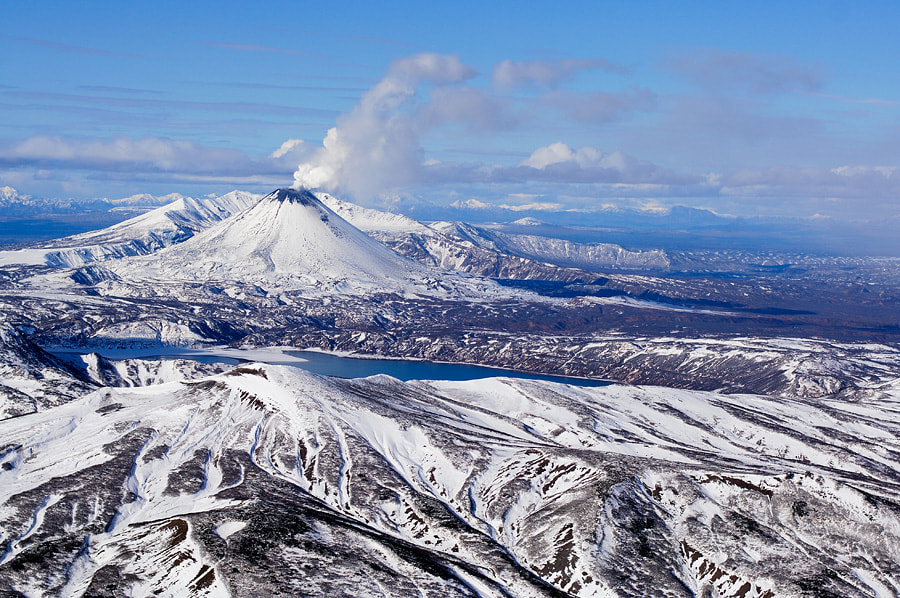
376 145
852 171
142 159
288 146
551 154
541 73
558 161
538 206
559 152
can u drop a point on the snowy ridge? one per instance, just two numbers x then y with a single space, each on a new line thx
369 220
146 199
588 256
480 250
582 255
517 488
141 235
430 246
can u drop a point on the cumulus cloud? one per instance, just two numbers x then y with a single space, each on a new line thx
558 152
559 162
725 71
509 75
376 145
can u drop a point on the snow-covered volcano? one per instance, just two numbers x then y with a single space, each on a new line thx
289 240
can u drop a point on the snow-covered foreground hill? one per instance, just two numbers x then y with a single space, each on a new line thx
268 480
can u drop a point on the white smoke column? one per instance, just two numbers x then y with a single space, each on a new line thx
375 146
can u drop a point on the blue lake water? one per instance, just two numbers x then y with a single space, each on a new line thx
350 367
327 364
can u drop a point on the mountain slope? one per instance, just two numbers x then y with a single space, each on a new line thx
440 241
266 480
432 247
31 379
141 235
567 254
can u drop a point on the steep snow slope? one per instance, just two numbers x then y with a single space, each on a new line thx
31 379
289 240
141 235
143 372
369 220
266 480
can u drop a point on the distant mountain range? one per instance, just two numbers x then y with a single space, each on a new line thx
458 246
674 228
14 205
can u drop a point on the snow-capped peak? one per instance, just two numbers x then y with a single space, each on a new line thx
288 239
527 221
147 200
299 196
8 194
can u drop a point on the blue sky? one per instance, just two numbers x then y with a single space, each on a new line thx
745 108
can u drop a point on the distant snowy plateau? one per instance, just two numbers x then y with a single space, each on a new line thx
747 447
